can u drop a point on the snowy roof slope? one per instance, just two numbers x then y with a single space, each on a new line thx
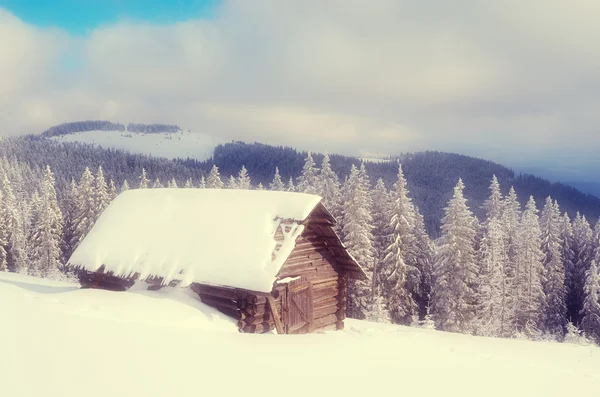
212 236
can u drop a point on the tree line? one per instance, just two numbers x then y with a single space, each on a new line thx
516 272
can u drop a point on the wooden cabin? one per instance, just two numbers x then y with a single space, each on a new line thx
300 287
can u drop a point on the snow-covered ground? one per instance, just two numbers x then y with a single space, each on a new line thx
182 144
57 340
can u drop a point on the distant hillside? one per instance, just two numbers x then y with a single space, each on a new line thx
103 125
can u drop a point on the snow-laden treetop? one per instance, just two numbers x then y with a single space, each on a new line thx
210 236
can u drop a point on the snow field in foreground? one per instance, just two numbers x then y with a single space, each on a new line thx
61 341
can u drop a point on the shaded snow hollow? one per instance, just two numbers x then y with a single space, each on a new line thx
211 236
59 341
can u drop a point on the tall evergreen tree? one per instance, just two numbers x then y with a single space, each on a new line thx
214 180
100 193
84 214
232 183
531 299
125 186
48 229
328 185
556 237
3 235
424 262
157 184
400 270
308 181
277 183
15 228
144 181
590 324
358 238
583 256
493 205
382 208
243 180
455 270
202 184
290 185
112 191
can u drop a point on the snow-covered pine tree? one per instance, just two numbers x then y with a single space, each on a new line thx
47 231
232 183
157 184
556 240
260 186
402 277
453 296
201 185
511 217
425 250
491 292
112 191
494 204
125 186
69 215
584 252
277 183
172 184
16 228
100 193
381 210
376 310
213 181
144 181
329 188
590 324
84 214
531 299
290 185
358 238
308 181
189 184
243 180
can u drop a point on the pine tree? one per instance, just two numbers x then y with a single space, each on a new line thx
189 184
47 231
358 238
214 179
491 292
201 185
243 180
125 186
376 310
584 252
172 184
260 186
590 324
308 181
144 181
290 186
156 184
3 235
400 270
382 208
277 183
328 185
455 269
493 205
84 214
531 299
556 237
100 193
69 221
232 183
112 191
15 228
424 262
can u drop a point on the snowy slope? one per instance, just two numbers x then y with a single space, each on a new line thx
182 144
60 341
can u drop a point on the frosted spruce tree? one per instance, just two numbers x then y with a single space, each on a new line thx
243 180
381 212
308 181
100 193
3 235
531 300
214 181
260 186
583 255
328 185
84 211
15 223
201 185
125 186
358 238
425 249
590 324
112 191
144 181
172 184
556 240
290 185
277 183
492 289
231 183
402 277
455 270
157 184
47 231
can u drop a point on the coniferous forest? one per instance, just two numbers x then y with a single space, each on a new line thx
444 246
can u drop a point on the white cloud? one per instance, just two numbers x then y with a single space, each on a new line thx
383 76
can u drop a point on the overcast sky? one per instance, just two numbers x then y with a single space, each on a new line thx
512 81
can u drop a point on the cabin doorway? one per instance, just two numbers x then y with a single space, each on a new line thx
298 307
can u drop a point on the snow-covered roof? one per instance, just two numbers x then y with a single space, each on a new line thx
212 236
